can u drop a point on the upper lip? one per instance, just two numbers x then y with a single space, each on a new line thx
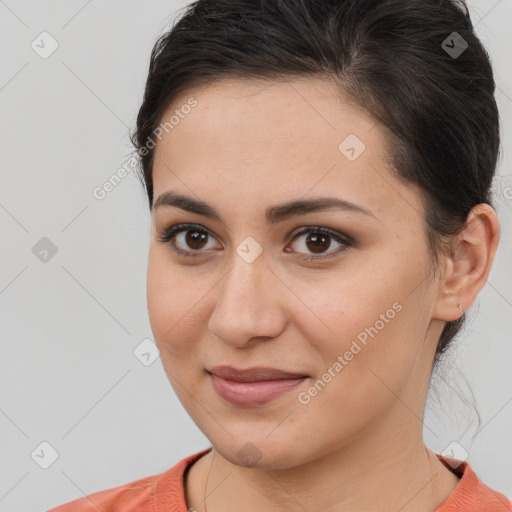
254 374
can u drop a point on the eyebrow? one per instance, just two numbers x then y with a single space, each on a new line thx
273 214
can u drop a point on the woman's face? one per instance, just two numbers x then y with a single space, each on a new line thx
351 308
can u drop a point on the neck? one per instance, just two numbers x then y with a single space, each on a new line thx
388 472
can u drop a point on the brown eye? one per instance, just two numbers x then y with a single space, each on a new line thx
191 240
187 239
318 241
195 239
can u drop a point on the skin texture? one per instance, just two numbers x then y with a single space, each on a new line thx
358 442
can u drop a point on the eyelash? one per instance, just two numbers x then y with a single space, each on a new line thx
170 233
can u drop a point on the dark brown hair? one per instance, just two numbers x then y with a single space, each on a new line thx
416 66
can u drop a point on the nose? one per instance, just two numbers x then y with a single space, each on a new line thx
250 304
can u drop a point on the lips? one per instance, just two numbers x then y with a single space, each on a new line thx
254 374
253 386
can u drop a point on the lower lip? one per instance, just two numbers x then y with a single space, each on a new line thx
253 393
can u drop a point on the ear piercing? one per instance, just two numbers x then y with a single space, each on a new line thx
461 310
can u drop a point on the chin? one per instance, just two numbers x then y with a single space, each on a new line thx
258 452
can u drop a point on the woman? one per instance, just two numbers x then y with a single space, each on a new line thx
319 177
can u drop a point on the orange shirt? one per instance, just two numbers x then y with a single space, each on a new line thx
165 493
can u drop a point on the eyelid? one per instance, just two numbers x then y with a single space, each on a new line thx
342 237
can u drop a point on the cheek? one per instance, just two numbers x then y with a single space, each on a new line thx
174 303
365 315
353 326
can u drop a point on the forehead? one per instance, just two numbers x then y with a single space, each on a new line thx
292 110
274 140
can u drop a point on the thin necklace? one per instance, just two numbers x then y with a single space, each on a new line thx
211 464
206 483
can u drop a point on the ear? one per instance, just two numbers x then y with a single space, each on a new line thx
469 264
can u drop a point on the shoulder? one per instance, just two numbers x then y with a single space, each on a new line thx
145 495
472 494
137 495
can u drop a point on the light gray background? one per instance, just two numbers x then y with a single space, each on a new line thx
69 326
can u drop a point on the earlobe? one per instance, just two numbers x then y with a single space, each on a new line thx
469 264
